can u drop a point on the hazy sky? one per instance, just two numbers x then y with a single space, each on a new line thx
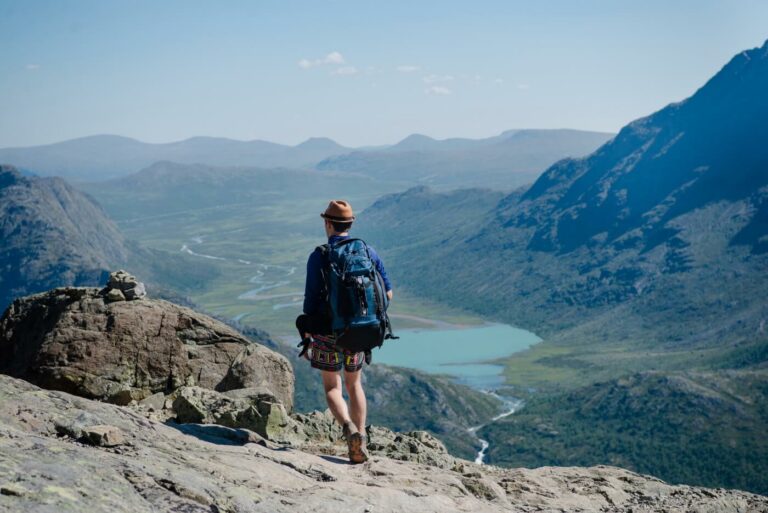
360 72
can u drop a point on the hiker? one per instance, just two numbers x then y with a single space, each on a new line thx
345 300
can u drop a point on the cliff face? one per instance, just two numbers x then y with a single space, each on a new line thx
55 459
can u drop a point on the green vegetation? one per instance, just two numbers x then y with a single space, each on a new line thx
703 428
259 234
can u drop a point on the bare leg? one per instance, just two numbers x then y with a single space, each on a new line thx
334 397
357 404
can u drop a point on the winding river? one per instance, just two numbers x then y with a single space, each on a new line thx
511 405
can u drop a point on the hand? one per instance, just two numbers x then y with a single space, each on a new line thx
389 294
304 345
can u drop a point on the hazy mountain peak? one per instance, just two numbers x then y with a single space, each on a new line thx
319 143
415 142
100 138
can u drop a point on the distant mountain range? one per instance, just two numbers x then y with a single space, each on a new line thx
504 161
648 255
102 157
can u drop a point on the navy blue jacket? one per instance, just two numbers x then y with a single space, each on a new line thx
313 301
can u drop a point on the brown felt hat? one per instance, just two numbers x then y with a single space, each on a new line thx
339 211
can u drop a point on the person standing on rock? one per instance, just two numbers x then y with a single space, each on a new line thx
346 296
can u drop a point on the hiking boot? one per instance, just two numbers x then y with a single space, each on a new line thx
356 443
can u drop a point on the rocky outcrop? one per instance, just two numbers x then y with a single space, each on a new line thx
248 408
257 410
77 340
47 465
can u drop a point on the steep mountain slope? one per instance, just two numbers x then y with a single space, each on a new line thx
51 235
511 159
102 157
707 149
648 255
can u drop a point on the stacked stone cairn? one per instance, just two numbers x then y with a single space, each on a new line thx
123 286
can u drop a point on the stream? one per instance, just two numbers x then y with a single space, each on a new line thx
267 277
511 405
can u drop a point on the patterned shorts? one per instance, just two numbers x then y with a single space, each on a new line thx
324 355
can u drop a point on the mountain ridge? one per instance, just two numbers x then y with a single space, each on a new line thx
671 161
504 161
104 156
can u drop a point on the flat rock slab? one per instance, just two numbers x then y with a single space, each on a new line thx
164 469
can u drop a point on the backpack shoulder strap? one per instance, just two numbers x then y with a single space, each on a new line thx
323 249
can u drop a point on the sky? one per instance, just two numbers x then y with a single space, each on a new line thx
360 72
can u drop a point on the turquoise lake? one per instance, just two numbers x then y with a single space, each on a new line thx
463 353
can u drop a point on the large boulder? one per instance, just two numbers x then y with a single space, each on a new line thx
78 341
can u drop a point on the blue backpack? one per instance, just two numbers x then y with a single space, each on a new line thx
356 296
